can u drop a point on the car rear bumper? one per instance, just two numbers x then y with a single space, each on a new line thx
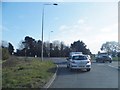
80 67
103 60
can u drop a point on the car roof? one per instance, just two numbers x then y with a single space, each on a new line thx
78 55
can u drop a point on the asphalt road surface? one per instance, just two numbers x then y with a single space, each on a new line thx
102 75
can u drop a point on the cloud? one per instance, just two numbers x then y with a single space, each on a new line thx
64 27
79 26
78 29
70 33
109 33
81 21
92 36
110 28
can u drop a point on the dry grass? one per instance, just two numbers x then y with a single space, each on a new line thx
25 73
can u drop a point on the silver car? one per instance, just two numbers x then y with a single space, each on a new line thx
78 61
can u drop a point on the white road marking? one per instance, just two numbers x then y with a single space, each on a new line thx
113 66
101 64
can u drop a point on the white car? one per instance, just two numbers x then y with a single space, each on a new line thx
78 61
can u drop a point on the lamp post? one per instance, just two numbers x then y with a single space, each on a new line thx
49 43
43 27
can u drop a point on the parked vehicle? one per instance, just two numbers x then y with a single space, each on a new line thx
104 58
79 61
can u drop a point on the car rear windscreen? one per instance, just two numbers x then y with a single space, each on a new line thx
79 58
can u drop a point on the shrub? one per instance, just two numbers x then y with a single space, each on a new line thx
118 54
5 54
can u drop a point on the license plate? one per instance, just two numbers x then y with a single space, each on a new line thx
81 66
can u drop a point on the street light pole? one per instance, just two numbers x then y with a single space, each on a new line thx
49 42
42 32
43 28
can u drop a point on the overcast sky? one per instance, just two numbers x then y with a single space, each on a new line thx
92 22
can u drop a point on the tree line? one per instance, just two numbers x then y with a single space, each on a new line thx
31 47
112 48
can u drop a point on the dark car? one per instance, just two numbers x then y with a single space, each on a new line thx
104 58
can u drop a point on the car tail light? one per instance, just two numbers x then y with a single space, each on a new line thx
88 61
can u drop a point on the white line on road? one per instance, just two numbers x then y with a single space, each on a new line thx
113 66
100 64
52 79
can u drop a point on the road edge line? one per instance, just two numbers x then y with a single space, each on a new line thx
47 85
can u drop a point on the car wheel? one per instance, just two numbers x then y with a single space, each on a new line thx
88 69
67 66
110 61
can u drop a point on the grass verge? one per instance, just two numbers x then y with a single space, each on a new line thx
116 58
20 73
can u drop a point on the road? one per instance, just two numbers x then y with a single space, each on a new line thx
102 75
